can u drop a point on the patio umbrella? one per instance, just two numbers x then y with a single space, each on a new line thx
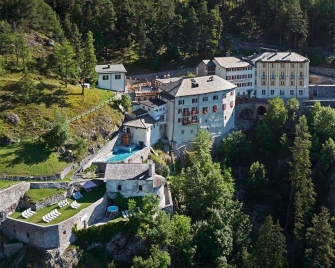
88 184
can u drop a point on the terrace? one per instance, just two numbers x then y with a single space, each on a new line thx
67 212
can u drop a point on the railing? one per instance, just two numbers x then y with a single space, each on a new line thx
273 77
190 122
264 76
292 76
301 76
187 113
282 76
195 112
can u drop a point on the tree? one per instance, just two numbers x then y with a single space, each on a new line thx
293 104
301 179
257 182
276 115
126 102
157 259
320 241
270 246
66 66
88 62
27 87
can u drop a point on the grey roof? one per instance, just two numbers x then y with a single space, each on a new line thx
278 57
206 84
152 102
127 171
145 121
113 68
209 63
231 62
139 111
168 80
137 171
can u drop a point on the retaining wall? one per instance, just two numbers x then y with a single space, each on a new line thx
53 185
10 249
323 71
48 201
322 91
10 197
57 235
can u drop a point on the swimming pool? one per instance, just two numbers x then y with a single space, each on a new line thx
122 155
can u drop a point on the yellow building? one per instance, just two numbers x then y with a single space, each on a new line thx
284 74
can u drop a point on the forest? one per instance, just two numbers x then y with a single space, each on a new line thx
159 31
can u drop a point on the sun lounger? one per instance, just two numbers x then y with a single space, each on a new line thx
31 211
57 212
45 219
24 215
80 195
130 214
123 214
74 196
139 210
126 212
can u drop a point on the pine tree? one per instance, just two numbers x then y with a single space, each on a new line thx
270 246
88 62
301 179
320 240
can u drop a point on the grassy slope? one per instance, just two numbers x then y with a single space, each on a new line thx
67 212
30 159
33 195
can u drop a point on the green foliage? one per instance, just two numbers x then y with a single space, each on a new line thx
293 104
276 115
157 259
27 88
203 142
320 249
80 148
126 102
270 247
257 183
236 149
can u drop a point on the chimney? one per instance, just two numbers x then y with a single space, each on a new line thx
151 168
109 65
197 71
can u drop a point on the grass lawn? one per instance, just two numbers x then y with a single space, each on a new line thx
29 159
33 195
67 212
6 184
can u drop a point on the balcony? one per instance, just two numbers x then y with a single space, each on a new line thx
301 77
282 76
273 77
292 76
264 76
190 122
162 122
186 113
195 112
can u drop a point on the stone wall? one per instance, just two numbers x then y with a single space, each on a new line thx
11 196
10 249
57 235
322 90
323 71
54 185
140 156
48 201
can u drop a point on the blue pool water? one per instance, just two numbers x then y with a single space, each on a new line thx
122 155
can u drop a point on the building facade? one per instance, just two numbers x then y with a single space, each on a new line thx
111 77
284 74
202 103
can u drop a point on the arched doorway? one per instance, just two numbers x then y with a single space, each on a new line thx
246 114
261 110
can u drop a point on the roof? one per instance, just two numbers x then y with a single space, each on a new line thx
110 68
209 63
167 80
206 84
139 111
152 102
123 171
145 121
231 62
277 57
159 181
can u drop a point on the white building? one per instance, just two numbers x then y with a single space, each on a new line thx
284 74
237 71
148 124
136 180
202 103
111 77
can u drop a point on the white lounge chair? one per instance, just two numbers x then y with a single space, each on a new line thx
56 210
123 214
126 212
24 215
31 211
75 195
130 214
45 219
79 194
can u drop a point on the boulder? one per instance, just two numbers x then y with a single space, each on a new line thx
13 118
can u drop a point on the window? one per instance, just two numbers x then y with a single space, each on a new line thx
281 92
249 84
272 65
272 92
231 104
282 65
301 65
194 100
118 76
225 117
215 108
205 110
191 131
224 106
119 187
204 99
300 92
140 188
300 83
263 92
292 83
249 75
263 83
182 132
231 93
215 97
224 96
105 77
282 83
181 102
291 92
292 65
263 65
180 111
272 83
180 120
